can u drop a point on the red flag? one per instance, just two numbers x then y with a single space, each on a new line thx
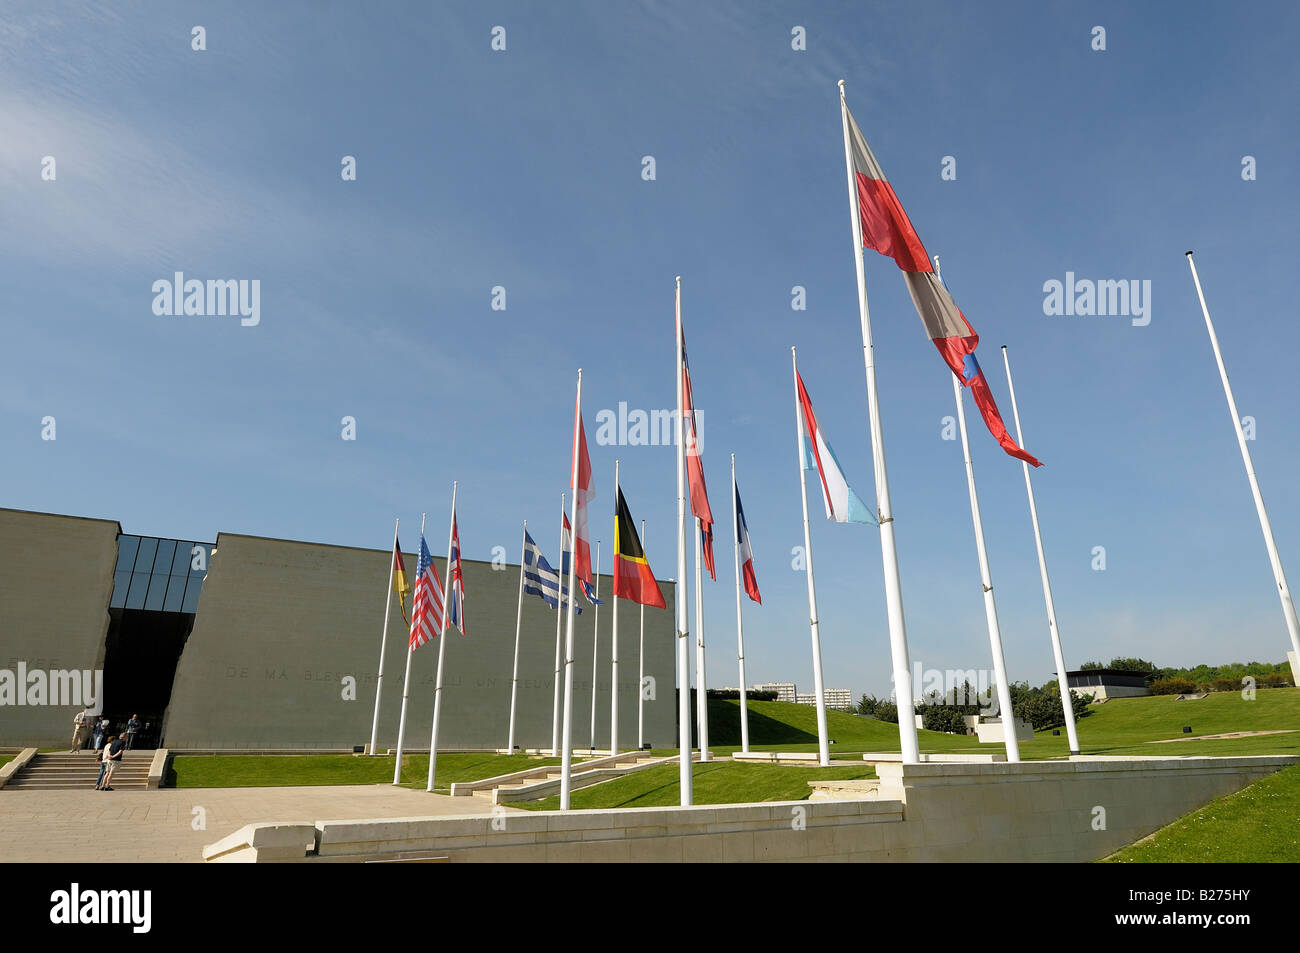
582 495
695 465
887 229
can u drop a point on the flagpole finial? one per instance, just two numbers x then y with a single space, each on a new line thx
679 279
841 86
1004 347
1188 254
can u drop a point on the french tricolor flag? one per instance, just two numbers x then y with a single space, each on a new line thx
842 504
746 556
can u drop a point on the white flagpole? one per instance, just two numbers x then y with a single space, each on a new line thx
986 580
885 513
442 646
519 621
1279 577
406 691
640 672
701 692
823 745
740 621
595 648
559 617
680 596
566 750
613 677
383 642
1061 679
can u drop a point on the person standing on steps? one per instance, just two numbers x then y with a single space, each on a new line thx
132 727
80 729
112 758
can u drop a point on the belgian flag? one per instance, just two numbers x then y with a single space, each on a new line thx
632 576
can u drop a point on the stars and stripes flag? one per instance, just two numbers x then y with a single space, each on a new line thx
887 229
540 579
695 464
426 609
456 604
746 557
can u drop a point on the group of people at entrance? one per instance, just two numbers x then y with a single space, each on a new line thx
108 748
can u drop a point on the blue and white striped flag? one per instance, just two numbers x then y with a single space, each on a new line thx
540 579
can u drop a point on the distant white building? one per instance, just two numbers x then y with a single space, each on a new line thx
785 691
839 698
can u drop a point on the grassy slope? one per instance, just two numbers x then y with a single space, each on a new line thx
1258 824
718 782
235 771
1122 726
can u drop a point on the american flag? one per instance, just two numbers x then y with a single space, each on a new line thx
426 610
456 607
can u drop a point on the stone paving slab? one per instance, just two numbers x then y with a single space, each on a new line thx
157 826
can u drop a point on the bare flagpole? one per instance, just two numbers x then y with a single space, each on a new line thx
406 691
986 580
740 619
680 595
559 617
1279 577
1062 680
701 691
566 751
383 640
519 621
885 513
595 649
823 745
640 673
442 647
613 675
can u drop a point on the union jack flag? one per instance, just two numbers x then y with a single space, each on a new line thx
426 609
456 605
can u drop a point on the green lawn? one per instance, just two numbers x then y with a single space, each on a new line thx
5 759
1259 824
242 771
717 782
1121 726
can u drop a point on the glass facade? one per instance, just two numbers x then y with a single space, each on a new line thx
159 574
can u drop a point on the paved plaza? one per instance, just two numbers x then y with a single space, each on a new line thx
146 826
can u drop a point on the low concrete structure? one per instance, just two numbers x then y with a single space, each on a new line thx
1104 684
993 730
17 764
1077 810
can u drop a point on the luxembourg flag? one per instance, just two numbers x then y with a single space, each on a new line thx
746 554
842 504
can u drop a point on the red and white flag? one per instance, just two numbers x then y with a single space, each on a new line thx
887 229
694 463
583 493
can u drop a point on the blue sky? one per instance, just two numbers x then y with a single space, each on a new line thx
523 168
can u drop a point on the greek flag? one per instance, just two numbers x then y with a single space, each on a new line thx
539 578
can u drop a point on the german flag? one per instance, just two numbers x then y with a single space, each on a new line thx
632 576
400 585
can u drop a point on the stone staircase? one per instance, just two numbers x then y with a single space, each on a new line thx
79 770
536 783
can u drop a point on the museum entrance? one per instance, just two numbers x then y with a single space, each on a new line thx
140 659
156 587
